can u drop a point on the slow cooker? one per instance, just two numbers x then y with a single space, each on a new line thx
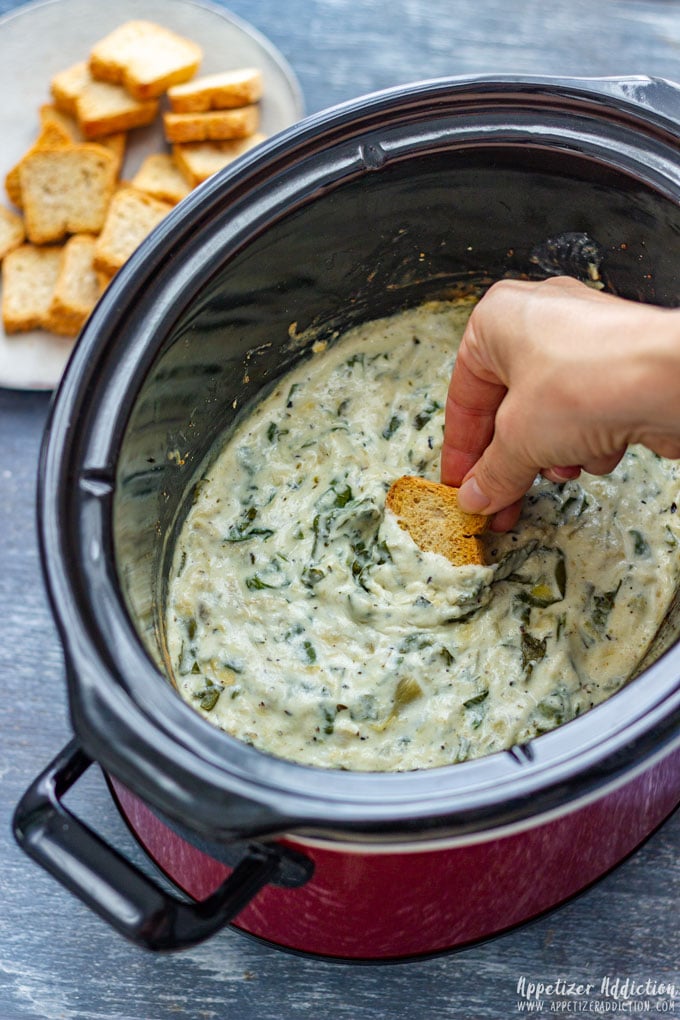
414 193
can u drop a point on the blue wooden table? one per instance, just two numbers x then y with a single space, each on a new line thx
58 961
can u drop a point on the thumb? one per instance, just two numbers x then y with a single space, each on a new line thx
498 480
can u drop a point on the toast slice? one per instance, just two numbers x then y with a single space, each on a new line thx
200 160
99 107
131 216
160 177
68 84
29 274
12 231
217 91
214 126
51 114
52 136
429 512
66 191
76 289
145 58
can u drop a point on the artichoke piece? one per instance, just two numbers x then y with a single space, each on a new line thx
407 691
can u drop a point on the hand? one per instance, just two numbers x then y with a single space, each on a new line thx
555 377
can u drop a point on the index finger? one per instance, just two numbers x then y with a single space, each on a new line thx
471 406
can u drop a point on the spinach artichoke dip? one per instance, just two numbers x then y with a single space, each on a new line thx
303 620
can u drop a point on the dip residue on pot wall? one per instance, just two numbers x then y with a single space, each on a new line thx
304 621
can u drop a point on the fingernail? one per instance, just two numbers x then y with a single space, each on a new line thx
471 499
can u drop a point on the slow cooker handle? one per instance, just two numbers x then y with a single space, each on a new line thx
111 885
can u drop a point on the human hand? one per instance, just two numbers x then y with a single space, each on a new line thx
555 377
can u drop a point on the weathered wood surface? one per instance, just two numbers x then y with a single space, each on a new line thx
58 961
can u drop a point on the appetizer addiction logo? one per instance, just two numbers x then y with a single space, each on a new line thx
610 994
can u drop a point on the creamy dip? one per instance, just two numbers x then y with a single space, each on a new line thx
303 620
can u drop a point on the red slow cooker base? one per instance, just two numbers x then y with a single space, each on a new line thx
383 903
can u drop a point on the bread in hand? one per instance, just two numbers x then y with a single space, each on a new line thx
429 512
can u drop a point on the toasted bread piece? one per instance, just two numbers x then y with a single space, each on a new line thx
12 231
52 136
200 160
217 91
160 177
99 107
103 280
144 57
215 126
68 84
76 289
28 278
429 512
66 191
131 216
51 114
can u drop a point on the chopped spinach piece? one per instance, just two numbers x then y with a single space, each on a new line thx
640 544
602 605
208 696
391 427
575 504
552 711
446 656
335 497
329 715
415 643
273 432
476 708
533 650
476 700
424 416
342 496
243 530
561 574
256 583
311 576
513 559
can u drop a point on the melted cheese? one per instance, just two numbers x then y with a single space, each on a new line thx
302 619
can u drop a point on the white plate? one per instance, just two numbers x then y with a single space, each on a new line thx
39 39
